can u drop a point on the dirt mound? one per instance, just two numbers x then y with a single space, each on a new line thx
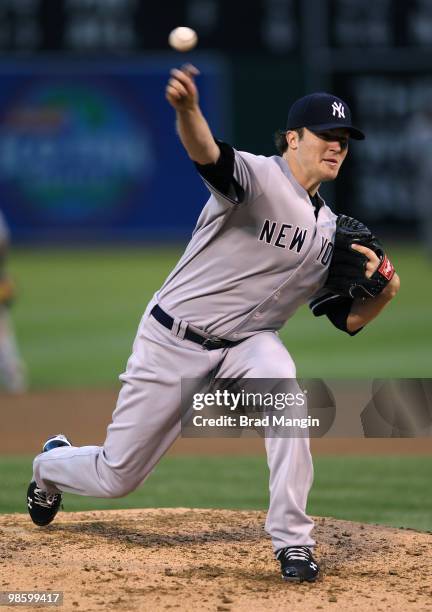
209 560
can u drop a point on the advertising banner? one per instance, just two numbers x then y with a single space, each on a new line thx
88 149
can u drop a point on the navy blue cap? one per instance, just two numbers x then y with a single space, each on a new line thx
322 111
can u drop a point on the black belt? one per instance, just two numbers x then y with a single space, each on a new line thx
208 343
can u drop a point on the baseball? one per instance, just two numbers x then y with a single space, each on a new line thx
183 39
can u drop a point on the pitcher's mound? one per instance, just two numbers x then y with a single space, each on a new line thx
209 560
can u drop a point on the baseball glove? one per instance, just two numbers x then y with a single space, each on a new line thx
347 270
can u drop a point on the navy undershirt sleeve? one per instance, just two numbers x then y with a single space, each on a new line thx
337 309
221 174
338 314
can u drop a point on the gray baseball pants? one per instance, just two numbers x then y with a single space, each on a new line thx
146 422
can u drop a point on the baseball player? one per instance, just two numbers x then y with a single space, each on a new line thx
260 249
12 370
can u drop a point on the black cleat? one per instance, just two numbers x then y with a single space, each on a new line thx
55 442
43 506
297 564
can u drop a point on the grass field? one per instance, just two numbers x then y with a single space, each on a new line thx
344 488
76 318
78 311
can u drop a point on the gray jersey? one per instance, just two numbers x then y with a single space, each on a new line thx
251 264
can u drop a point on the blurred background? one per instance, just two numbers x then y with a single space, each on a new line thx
100 198
87 139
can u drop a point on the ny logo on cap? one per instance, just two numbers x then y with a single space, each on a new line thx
338 108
